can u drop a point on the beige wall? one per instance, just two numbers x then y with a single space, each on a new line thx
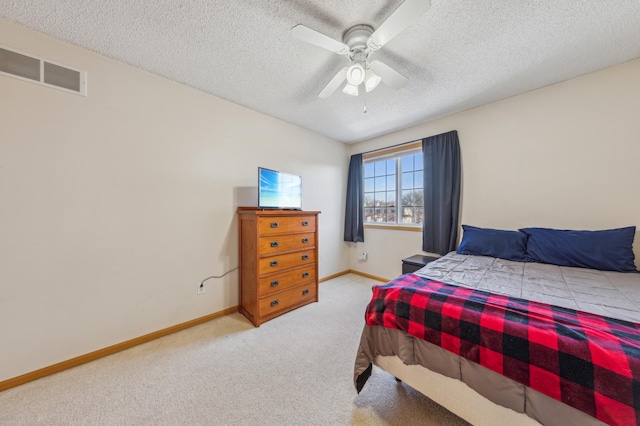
565 156
114 206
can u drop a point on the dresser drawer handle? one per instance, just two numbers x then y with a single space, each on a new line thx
274 224
274 244
275 283
305 291
305 256
273 263
275 303
305 240
305 223
305 274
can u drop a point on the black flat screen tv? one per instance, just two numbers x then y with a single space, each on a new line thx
279 190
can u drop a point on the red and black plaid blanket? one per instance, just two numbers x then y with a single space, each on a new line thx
587 361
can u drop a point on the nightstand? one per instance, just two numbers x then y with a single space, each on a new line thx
415 262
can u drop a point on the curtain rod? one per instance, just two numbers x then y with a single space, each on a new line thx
391 147
403 143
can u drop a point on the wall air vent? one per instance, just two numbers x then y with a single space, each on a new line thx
41 71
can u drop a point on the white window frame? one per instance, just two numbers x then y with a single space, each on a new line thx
396 153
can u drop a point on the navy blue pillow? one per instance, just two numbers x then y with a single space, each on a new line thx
607 250
509 245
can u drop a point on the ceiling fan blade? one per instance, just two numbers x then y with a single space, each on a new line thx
318 39
335 82
408 13
389 76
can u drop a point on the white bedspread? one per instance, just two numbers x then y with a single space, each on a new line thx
612 294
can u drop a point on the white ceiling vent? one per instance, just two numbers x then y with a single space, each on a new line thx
41 71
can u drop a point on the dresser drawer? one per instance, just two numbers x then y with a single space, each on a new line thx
284 280
286 225
281 262
285 299
279 243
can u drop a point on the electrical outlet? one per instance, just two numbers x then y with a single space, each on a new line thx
201 288
363 256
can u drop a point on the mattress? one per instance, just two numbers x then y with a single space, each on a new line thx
607 293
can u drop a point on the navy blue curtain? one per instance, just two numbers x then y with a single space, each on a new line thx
354 211
441 154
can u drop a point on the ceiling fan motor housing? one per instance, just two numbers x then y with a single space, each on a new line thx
356 38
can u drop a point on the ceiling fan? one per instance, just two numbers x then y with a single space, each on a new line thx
359 42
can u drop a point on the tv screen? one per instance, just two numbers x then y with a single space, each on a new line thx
278 190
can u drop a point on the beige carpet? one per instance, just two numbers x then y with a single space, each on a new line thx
294 370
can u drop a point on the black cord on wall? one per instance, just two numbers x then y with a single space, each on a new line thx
218 276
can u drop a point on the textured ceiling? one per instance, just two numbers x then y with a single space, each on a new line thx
460 54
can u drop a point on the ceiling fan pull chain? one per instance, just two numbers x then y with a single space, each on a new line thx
364 100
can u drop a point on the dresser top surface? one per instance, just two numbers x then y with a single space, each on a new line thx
254 211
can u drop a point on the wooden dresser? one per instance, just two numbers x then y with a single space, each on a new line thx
278 261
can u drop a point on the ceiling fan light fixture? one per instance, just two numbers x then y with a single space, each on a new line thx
350 89
355 74
372 80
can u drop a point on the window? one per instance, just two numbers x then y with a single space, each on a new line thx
393 186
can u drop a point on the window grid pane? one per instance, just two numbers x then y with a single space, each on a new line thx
407 163
391 166
368 170
417 161
407 180
419 179
391 182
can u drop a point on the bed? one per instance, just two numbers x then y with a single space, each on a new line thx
498 336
